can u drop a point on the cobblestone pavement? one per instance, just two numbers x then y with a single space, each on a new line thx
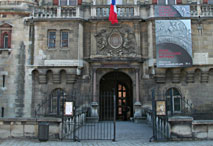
128 134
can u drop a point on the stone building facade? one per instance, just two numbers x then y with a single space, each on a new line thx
54 45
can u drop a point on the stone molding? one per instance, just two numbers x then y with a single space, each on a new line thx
160 75
71 75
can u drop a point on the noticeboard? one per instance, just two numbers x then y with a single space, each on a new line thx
68 108
161 108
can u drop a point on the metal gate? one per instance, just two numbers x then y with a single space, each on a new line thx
160 123
84 125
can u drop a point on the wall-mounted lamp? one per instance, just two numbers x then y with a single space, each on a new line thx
199 24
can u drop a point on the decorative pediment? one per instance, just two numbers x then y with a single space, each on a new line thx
118 41
5 25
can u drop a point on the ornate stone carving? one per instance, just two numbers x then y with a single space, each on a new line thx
71 78
115 40
190 77
118 41
56 79
176 76
101 39
160 78
204 77
42 78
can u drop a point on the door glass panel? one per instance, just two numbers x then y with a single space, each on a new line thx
119 94
177 104
119 110
120 102
124 94
119 87
54 105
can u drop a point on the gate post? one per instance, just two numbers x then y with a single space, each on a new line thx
154 116
114 118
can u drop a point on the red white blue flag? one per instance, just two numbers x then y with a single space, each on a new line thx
113 12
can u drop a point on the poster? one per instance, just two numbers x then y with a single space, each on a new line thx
161 108
173 43
172 11
68 108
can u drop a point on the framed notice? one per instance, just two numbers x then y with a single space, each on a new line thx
68 108
161 108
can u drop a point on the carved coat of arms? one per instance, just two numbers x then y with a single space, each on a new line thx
116 42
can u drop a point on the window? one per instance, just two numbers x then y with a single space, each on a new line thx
5 40
56 102
5 36
3 81
51 39
68 2
64 39
118 2
210 1
166 2
175 101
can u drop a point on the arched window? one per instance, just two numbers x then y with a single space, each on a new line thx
57 98
173 98
5 40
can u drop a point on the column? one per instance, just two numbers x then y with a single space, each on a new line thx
94 117
94 85
137 85
137 104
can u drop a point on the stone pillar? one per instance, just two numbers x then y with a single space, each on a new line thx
137 105
150 41
94 85
151 12
94 117
59 12
137 85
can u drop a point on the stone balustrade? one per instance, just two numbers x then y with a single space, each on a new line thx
202 10
100 11
56 12
122 11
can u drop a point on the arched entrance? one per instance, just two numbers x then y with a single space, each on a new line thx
120 84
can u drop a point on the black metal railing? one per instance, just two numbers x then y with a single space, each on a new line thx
84 124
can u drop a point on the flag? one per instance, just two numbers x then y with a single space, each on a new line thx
113 13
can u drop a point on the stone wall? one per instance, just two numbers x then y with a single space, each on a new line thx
187 128
28 128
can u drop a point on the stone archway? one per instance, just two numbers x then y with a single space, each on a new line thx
121 84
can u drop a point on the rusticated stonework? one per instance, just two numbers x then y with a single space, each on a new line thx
116 42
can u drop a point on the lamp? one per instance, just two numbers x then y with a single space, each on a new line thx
199 24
